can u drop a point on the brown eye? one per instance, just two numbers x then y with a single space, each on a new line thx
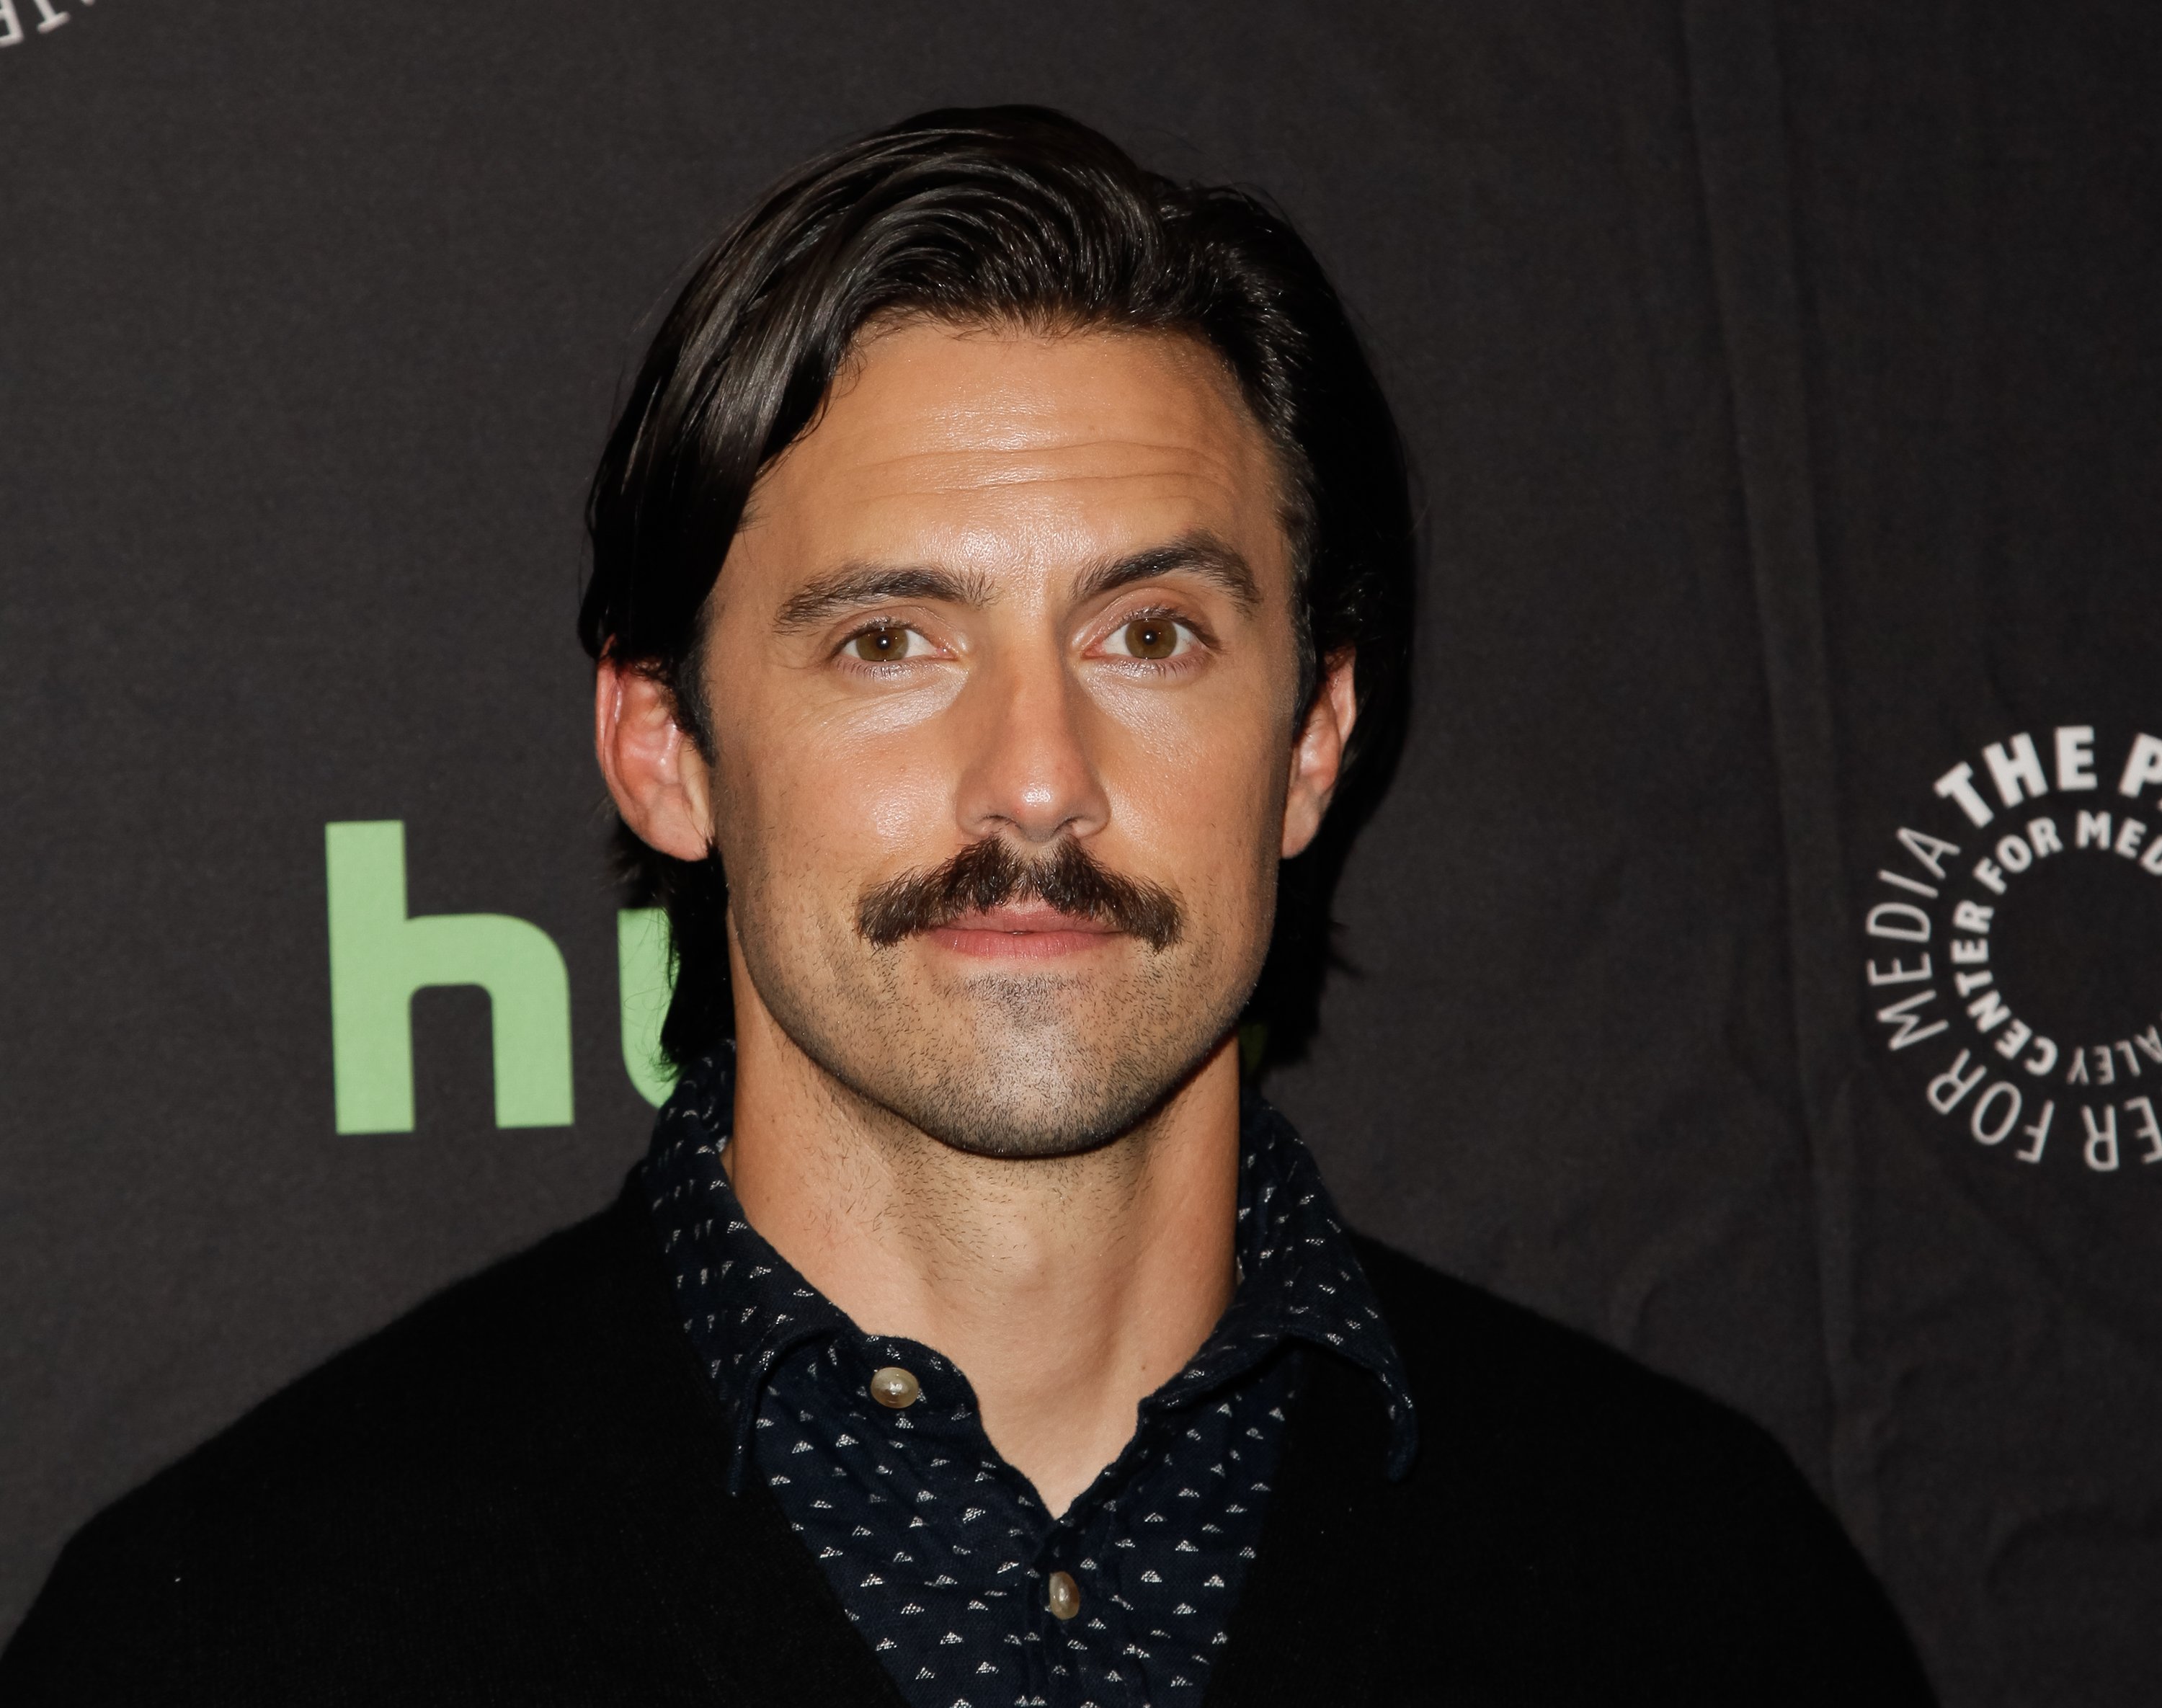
1151 637
880 646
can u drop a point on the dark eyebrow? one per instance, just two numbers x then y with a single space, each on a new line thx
1201 555
856 585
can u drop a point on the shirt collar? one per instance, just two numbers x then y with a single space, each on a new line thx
745 1306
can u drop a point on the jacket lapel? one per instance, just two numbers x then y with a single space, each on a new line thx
1321 1604
707 1596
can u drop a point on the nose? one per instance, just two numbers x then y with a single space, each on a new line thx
1027 770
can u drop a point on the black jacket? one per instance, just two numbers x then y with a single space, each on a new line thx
516 1494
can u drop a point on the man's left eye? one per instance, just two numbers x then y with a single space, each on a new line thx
886 643
1149 637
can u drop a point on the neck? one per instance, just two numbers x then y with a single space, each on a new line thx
1066 1289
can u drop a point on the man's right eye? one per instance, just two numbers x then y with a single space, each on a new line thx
887 643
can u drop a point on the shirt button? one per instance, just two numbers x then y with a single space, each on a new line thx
1063 1595
895 1388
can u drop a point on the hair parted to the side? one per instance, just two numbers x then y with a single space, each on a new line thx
999 216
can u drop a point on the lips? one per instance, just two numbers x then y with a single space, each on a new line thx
1025 919
1021 933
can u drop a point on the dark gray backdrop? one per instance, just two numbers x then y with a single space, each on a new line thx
1783 382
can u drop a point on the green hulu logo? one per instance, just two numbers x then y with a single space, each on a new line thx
380 954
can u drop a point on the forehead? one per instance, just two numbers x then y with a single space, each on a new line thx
989 446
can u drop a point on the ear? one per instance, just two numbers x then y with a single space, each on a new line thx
660 783
1317 758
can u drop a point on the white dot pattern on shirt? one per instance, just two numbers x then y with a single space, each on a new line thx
941 1552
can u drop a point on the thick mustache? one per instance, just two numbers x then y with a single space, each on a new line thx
989 874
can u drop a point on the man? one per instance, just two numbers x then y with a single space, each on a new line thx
999 561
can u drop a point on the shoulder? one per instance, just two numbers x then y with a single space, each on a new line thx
515 1366
1478 1364
426 1479
1600 1514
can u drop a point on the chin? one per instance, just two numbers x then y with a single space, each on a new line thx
998 1091
985 1120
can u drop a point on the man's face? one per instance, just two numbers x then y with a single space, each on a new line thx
1001 672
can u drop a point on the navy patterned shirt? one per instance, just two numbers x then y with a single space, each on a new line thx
972 1594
